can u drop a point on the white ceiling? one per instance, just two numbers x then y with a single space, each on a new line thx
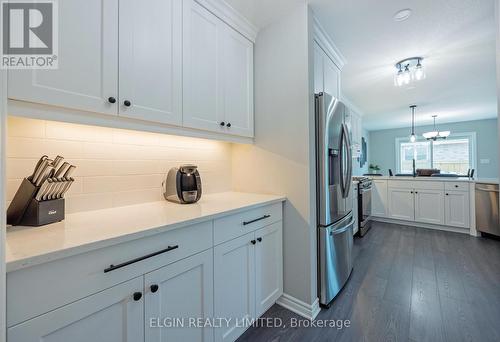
456 37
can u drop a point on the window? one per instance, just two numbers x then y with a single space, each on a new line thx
456 154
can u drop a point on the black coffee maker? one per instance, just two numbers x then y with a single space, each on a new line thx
183 184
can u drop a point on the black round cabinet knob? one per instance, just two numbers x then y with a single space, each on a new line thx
228 124
154 288
137 296
253 242
127 103
222 123
259 239
111 99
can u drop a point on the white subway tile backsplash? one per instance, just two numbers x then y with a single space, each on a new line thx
22 127
114 167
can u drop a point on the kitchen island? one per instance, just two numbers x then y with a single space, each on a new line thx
445 203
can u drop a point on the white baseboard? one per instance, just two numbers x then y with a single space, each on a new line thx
309 311
422 225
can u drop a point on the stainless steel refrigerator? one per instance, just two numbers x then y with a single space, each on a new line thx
334 196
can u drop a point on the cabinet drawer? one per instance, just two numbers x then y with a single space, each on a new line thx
429 185
231 227
42 288
458 186
400 184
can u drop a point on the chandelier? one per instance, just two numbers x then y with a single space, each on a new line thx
435 134
409 70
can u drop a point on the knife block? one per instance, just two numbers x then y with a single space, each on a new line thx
26 210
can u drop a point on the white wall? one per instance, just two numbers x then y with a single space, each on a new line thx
280 160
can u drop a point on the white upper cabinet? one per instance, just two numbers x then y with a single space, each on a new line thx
202 60
331 77
237 83
218 74
167 61
113 315
326 73
88 54
150 60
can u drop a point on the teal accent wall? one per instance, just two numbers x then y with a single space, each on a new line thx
356 169
382 146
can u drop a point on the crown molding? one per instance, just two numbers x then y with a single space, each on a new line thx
326 43
230 16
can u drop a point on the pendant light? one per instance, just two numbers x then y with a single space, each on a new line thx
413 138
435 134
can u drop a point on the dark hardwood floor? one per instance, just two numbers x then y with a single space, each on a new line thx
409 284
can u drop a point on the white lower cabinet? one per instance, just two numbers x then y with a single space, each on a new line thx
457 209
427 202
401 204
248 278
379 198
268 267
234 279
112 315
429 206
177 294
152 294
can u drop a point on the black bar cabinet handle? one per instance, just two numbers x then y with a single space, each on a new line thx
257 219
115 267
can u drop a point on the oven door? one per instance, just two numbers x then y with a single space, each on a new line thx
365 196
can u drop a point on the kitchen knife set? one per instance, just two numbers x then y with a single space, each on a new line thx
40 198
53 177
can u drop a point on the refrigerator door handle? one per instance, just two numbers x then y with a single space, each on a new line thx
341 163
349 160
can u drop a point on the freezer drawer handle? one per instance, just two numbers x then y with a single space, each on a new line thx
133 261
257 219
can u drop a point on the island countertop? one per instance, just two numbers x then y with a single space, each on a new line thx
91 230
438 179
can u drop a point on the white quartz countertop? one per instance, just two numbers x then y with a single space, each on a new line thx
426 179
91 230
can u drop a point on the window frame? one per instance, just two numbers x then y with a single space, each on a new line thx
471 136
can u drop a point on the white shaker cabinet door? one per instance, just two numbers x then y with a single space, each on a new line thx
151 60
457 208
268 267
318 69
237 83
234 285
429 206
379 198
179 292
113 315
331 77
202 61
87 77
401 204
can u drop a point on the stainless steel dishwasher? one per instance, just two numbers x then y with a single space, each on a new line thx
487 208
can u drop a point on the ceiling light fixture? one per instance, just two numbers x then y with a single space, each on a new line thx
402 15
413 71
413 137
435 134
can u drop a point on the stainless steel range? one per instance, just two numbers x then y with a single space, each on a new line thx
364 204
